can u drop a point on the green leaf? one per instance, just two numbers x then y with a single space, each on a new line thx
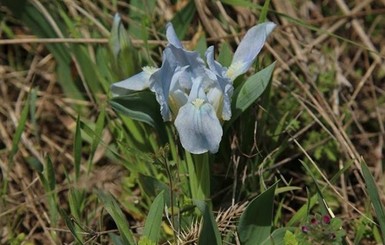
374 198
77 150
141 19
146 241
19 131
225 54
323 205
116 240
242 3
88 69
117 215
152 227
49 183
256 221
50 173
97 135
152 186
265 9
35 164
249 91
281 236
70 225
290 238
141 106
182 19
209 233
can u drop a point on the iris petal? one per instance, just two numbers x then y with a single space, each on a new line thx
137 82
160 83
224 82
249 48
198 127
172 37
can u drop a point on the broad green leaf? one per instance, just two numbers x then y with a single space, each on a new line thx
117 215
281 236
152 227
141 106
209 233
256 221
152 186
374 198
77 150
249 91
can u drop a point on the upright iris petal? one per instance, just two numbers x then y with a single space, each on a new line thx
223 81
160 82
249 48
197 123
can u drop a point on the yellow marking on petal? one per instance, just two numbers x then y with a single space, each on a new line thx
198 102
149 69
232 70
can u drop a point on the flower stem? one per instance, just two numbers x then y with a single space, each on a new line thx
199 176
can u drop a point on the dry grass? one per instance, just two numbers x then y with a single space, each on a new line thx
349 104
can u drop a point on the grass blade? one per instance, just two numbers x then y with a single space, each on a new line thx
70 225
264 11
19 131
374 198
152 227
77 148
97 136
117 215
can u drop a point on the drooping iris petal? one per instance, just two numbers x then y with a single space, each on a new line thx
137 82
249 48
198 127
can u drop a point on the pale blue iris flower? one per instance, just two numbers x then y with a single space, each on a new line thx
196 96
